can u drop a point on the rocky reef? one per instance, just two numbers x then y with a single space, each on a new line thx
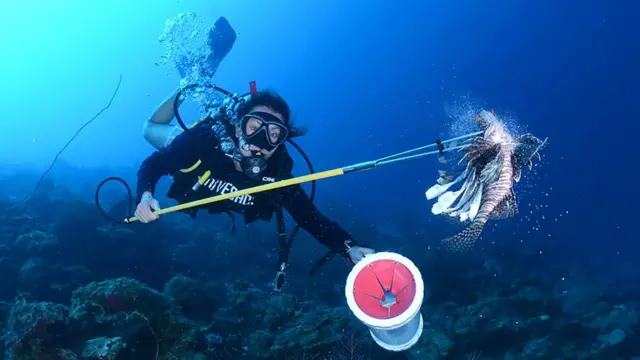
124 319
75 286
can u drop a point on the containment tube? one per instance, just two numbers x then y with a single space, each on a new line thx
385 292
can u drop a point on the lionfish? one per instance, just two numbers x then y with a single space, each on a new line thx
494 160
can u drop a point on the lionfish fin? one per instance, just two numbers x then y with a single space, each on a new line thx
464 240
445 179
507 208
439 189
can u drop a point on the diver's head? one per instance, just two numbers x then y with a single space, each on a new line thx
262 123
262 130
262 126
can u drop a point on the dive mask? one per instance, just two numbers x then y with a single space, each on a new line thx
263 130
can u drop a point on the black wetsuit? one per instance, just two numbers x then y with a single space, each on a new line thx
191 155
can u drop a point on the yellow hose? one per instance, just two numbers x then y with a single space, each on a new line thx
252 190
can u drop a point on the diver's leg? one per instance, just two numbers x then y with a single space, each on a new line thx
158 130
160 135
220 41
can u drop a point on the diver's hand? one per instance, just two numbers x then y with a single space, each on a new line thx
357 253
144 211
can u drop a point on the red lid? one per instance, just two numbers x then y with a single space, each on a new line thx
384 289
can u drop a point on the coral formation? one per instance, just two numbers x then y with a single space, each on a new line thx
77 287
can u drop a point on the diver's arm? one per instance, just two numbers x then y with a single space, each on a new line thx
183 151
305 214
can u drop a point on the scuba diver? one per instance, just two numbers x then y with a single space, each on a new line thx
241 146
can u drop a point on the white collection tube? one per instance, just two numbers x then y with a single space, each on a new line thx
385 292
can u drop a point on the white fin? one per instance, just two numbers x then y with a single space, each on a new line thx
437 209
475 203
491 171
469 188
437 190
463 195
462 213
446 200
470 208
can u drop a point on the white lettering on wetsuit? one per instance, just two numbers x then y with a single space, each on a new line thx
223 187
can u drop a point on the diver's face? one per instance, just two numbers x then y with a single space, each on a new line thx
252 125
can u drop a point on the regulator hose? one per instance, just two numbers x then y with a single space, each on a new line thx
129 199
176 105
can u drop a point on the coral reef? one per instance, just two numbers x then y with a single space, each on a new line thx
113 318
77 287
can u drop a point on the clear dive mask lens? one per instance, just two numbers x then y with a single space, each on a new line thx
263 130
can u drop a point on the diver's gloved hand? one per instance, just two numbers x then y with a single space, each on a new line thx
357 253
144 211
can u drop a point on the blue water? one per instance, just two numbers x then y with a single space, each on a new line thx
368 79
